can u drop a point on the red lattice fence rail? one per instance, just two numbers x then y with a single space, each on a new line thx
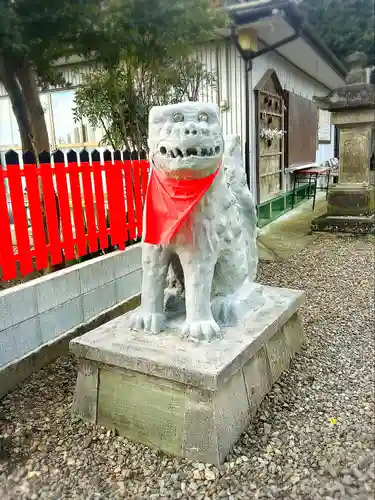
67 206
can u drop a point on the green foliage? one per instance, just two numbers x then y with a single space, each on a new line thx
142 48
120 100
42 31
346 26
150 31
146 31
142 36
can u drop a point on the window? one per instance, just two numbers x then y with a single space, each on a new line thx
66 130
62 129
9 133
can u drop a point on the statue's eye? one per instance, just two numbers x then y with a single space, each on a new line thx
178 117
203 117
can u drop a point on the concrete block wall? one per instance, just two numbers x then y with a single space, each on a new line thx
40 311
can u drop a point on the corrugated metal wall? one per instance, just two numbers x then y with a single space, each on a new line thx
223 60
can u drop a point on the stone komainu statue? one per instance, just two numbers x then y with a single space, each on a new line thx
200 225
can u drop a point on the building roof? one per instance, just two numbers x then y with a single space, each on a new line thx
252 12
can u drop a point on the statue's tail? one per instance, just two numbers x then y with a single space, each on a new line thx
236 178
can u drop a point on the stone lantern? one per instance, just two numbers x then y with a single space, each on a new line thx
351 200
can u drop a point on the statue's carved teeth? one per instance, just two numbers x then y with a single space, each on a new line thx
181 153
191 152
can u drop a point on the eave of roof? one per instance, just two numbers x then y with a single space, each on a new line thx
252 11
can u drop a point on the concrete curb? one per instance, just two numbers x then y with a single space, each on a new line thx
19 370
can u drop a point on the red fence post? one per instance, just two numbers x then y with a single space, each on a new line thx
116 209
21 227
99 199
79 226
138 194
32 175
88 201
51 209
7 258
61 173
129 185
119 200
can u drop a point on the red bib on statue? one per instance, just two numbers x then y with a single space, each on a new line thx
169 201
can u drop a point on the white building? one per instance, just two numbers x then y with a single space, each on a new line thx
274 91
291 74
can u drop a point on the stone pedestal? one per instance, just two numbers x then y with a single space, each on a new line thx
352 195
351 200
186 399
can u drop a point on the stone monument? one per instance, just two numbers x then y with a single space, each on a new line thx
186 370
351 200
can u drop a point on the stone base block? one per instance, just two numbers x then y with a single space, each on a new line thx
353 201
186 399
344 224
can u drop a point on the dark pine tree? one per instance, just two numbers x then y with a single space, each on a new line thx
346 26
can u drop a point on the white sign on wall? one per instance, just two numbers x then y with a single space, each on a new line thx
324 126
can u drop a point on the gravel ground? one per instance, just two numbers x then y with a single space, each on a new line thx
312 438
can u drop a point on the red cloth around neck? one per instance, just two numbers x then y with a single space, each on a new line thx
169 201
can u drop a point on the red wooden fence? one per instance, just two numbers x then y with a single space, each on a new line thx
89 204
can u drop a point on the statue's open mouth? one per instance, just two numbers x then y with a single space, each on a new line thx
188 152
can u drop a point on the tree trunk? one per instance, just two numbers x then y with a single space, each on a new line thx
28 82
18 102
39 138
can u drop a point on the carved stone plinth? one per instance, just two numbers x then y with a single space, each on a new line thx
188 399
353 194
353 113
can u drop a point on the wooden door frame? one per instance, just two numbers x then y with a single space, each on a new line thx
258 89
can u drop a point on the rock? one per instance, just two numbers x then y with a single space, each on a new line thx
364 462
331 470
267 428
347 480
295 479
272 468
209 475
197 474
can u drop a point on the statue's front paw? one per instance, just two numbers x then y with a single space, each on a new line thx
149 322
201 330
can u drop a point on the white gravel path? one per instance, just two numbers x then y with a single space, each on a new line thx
312 438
